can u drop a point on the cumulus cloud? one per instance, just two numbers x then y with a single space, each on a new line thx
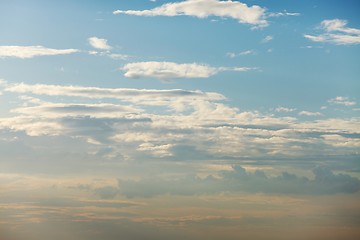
99 43
171 70
340 100
32 51
336 32
254 15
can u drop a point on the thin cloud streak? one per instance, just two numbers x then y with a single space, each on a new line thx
24 52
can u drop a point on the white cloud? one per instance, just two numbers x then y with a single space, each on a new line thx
32 51
284 13
284 109
336 32
118 56
254 15
267 39
243 53
57 110
171 70
127 94
342 101
99 43
157 150
165 123
307 113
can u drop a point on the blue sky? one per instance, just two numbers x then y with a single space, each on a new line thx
179 118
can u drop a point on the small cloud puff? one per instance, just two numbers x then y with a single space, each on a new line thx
99 43
267 39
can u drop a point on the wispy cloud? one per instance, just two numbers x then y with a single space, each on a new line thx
336 32
254 15
340 100
284 13
117 93
284 109
172 70
268 38
243 53
32 51
99 43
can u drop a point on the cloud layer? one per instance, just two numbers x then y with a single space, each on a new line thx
240 180
149 123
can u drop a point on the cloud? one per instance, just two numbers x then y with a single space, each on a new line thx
284 13
129 94
267 39
336 32
171 70
152 124
284 109
241 180
244 53
99 43
32 51
307 113
57 110
342 101
254 15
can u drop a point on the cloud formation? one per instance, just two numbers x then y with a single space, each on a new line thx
172 70
149 123
32 51
336 32
99 43
254 15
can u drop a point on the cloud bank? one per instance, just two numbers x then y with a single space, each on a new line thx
150 123
240 180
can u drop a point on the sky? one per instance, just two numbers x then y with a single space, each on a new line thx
189 119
